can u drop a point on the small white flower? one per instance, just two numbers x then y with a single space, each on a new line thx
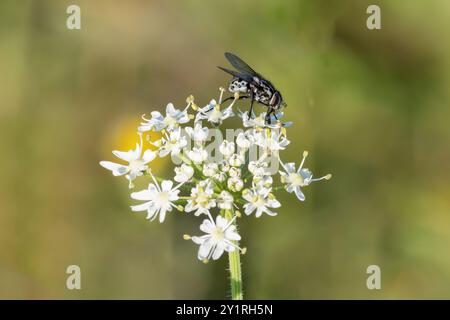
225 167
252 121
260 199
137 162
225 200
159 199
263 181
183 173
235 184
220 176
295 179
173 119
213 114
242 141
197 155
234 172
260 120
236 160
198 134
210 169
172 144
226 148
202 198
218 238
271 140
258 168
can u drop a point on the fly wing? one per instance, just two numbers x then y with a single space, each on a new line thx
240 65
236 74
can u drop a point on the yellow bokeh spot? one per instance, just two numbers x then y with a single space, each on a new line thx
123 136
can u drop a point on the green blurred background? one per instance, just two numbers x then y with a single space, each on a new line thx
370 106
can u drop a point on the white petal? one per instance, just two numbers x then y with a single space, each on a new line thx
299 194
148 156
124 155
189 131
173 195
221 222
199 240
163 152
247 196
207 226
166 185
249 208
306 174
170 109
137 152
269 212
156 115
188 170
274 203
189 206
142 195
162 215
151 212
183 118
259 212
218 251
181 178
141 207
290 167
205 248
229 247
231 234
116 168
290 188
144 128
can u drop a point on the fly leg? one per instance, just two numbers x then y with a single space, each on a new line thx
227 99
232 97
267 117
252 97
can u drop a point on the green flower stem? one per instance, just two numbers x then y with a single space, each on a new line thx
234 261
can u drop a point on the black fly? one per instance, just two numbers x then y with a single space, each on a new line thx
250 83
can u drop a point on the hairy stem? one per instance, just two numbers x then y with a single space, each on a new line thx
234 261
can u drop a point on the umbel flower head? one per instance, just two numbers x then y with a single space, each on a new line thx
214 178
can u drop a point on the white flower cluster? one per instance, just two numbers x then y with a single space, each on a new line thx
204 187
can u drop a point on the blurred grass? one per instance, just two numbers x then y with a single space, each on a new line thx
370 106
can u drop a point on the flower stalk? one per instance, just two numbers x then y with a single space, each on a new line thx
234 263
